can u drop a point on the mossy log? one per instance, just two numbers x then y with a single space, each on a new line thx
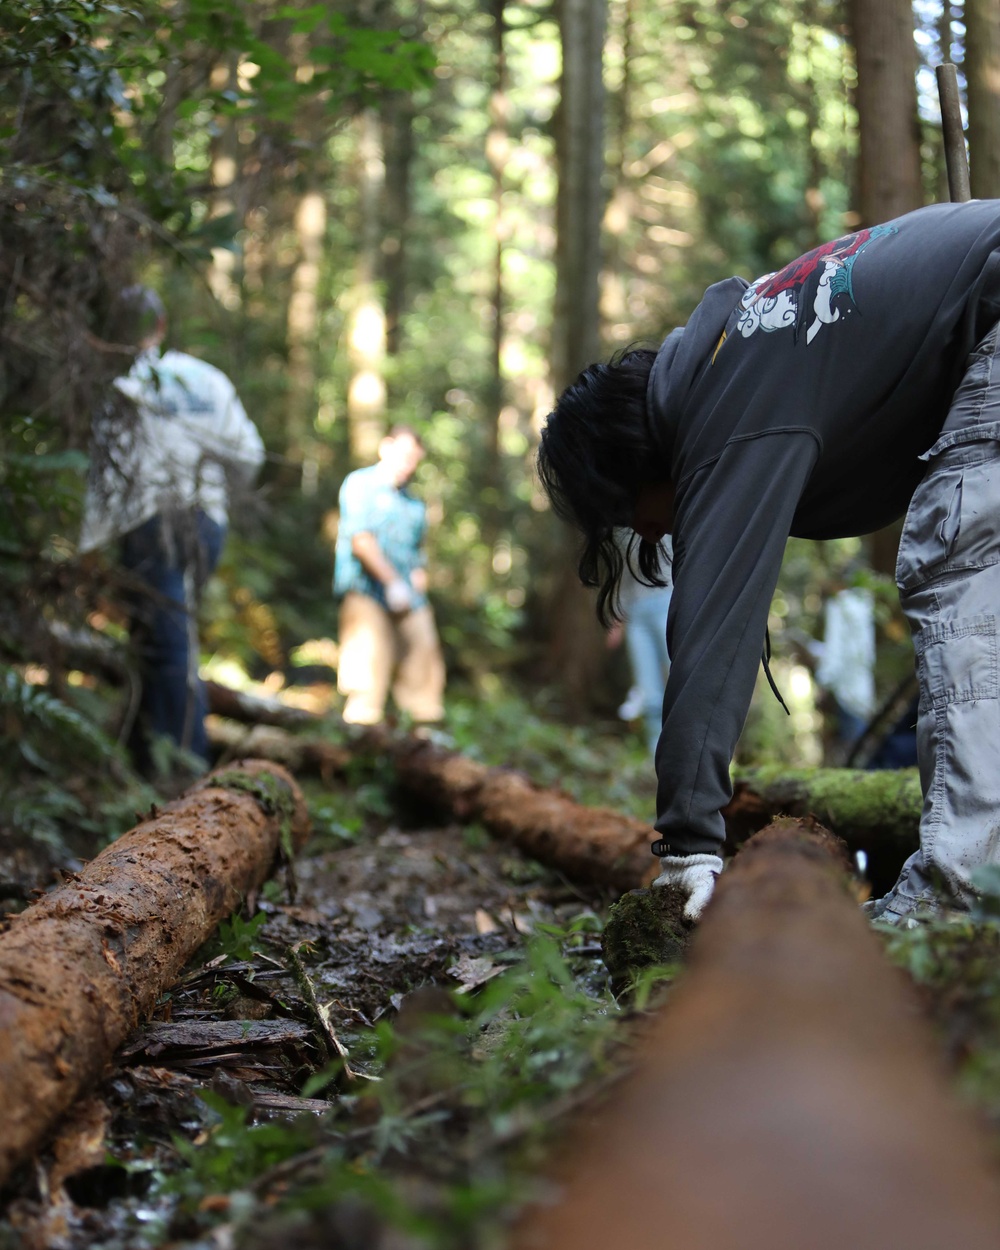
589 844
875 812
87 962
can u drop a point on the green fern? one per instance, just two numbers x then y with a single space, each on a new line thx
30 716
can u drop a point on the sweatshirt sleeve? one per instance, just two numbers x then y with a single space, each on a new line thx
733 520
240 444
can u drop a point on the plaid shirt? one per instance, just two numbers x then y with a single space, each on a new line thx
370 503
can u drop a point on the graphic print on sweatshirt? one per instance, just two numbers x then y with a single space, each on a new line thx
820 281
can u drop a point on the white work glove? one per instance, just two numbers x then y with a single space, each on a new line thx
695 875
398 595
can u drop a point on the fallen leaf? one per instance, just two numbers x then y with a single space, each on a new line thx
473 971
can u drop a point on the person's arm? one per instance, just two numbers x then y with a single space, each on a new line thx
365 546
240 443
398 592
729 539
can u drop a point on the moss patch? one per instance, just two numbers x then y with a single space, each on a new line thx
845 798
644 928
272 795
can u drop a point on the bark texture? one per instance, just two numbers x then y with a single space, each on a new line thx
84 965
982 70
886 97
788 1095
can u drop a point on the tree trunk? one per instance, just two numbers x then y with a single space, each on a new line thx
982 73
889 180
577 645
222 277
497 154
302 329
82 966
399 149
366 393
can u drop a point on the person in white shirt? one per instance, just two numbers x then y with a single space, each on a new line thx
845 661
169 449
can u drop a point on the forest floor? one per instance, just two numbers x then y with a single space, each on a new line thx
381 1053
371 1055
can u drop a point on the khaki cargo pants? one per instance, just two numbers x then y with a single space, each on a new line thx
948 574
379 652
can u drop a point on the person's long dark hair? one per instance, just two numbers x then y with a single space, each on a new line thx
595 453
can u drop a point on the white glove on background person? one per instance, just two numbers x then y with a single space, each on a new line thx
695 875
398 595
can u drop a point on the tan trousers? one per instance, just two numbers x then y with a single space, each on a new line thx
379 651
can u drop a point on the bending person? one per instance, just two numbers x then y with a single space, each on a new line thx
859 383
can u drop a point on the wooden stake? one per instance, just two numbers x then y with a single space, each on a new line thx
954 136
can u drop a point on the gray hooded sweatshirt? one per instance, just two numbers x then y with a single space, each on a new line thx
799 404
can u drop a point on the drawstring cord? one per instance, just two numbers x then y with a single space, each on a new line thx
765 658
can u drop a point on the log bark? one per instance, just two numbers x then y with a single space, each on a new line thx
590 844
788 1094
87 962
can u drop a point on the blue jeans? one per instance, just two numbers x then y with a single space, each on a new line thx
173 556
646 640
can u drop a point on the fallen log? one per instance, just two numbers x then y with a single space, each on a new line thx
590 844
255 709
874 812
83 965
788 1095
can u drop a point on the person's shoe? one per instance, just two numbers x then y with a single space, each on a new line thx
902 911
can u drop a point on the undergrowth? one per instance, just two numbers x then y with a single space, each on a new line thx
955 962
441 1147
604 764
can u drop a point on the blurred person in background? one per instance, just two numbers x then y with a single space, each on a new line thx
388 635
169 450
643 628
843 664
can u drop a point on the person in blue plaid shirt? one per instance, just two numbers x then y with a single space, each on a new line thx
388 636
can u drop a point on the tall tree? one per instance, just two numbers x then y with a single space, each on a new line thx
889 180
576 334
982 73
366 393
889 176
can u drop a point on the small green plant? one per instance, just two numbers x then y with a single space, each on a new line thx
334 821
240 939
233 1152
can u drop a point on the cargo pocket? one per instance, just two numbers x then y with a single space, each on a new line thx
957 663
953 522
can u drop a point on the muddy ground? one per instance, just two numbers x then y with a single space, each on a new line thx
321 1017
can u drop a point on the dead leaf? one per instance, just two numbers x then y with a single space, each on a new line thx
473 971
